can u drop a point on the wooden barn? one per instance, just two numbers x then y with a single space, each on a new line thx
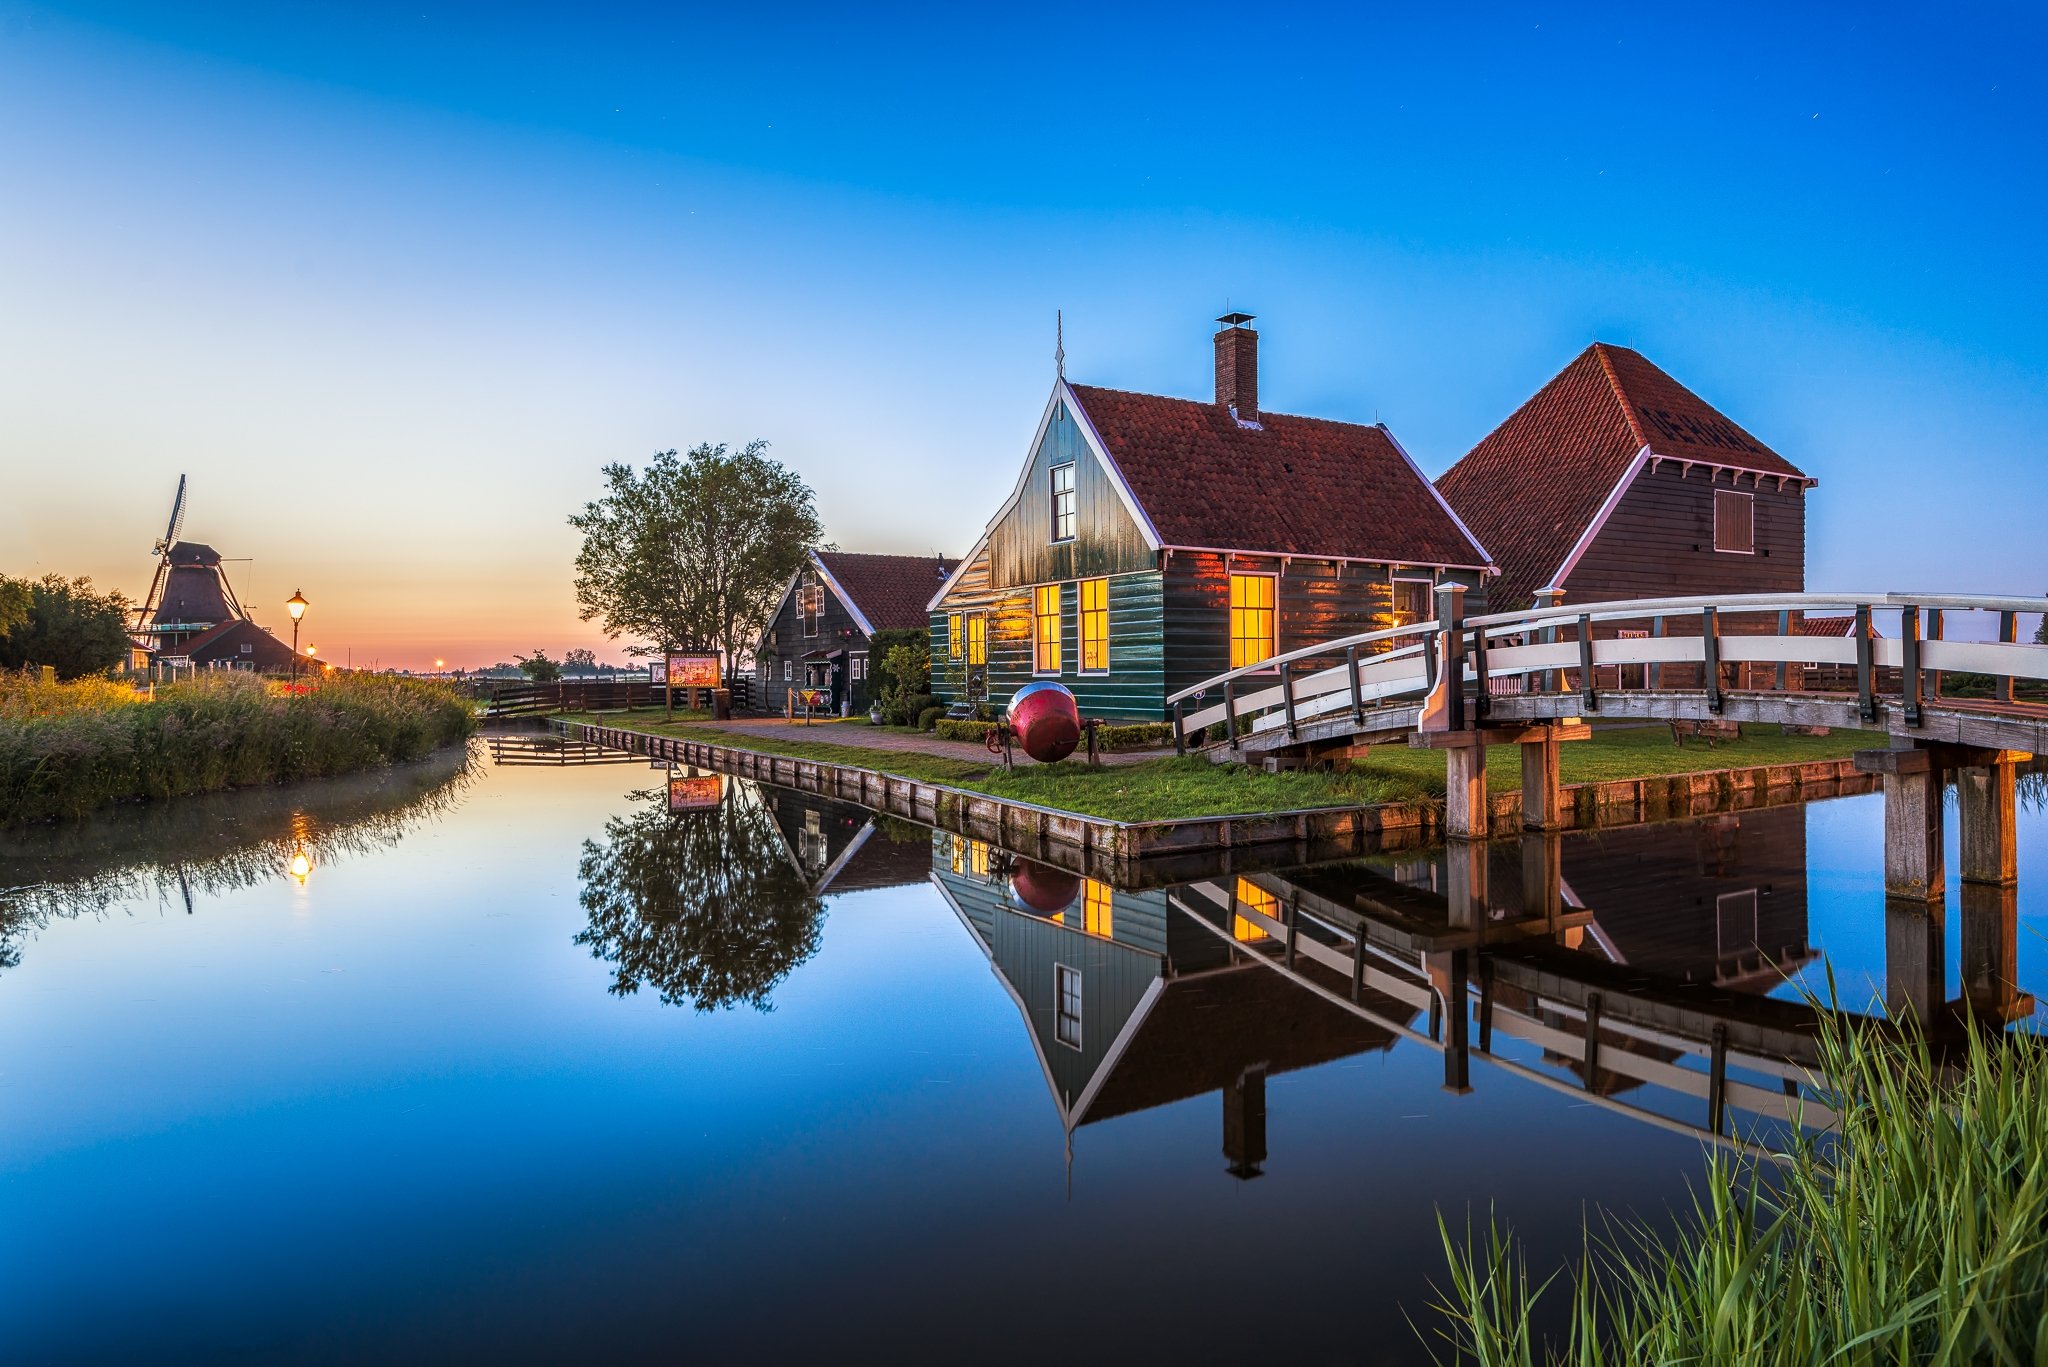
1151 543
1616 481
820 634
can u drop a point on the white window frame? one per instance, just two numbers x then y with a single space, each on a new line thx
811 617
1750 502
1230 628
858 664
1081 626
1752 909
1038 668
788 671
1073 493
1062 976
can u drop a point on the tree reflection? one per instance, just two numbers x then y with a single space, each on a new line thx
706 907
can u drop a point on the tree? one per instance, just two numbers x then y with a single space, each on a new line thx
539 668
579 661
703 906
15 600
2041 632
70 627
693 552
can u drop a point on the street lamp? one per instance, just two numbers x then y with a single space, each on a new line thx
296 606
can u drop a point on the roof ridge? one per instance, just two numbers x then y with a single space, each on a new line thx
1264 413
1628 411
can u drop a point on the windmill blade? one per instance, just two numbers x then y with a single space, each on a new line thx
177 522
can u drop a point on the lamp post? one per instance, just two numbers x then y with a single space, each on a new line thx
296 606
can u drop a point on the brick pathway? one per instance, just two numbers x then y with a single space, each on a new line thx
879 738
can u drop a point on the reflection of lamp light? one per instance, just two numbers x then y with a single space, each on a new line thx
301 865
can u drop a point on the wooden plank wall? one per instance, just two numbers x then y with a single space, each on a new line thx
1106 537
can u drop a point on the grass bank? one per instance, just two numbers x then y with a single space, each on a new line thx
1189 786
1913 1233
66 756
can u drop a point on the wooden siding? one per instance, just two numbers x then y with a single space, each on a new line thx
1659 542
784 639
1131 690
1106 540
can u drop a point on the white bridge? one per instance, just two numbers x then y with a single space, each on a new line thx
1535 676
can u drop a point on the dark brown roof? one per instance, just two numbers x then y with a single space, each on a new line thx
1827 626
1534 484
889 590
225 641
1290 486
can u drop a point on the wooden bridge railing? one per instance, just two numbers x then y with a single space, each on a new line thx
1557 649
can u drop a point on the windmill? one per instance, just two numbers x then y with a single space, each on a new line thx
190 594
163 557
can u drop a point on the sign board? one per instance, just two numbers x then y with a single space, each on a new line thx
694 792
694 671
813 698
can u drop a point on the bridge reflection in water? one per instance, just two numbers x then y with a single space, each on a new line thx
1648 971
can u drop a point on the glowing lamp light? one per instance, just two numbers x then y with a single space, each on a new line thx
296 605
311 651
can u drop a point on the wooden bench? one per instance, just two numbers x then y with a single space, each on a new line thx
1712 732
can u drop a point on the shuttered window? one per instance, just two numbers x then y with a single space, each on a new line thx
1045 635
1063 502
1094 626
1734 522
1251 619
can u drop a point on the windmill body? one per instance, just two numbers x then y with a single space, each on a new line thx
192 613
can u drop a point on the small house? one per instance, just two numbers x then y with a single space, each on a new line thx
1616 481
821 632
1151 543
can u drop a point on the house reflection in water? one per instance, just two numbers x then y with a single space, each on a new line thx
1131 1006
841 847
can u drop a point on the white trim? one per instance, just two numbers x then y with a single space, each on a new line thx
1081 669
860 838
1331 559
860 619
1437 494
1058 587
1599 522
1059 1013
1052 494
1719 549
1062 392
1714 467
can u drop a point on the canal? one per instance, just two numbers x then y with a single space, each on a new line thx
548 1061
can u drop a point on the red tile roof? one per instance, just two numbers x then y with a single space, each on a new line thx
1827 626
889 590
1291 486
1534 484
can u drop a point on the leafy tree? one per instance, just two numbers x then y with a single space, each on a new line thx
907 671
579 661
2041 632
539 668
693 552
14 604
70 626
705 906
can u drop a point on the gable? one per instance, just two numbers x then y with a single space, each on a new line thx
1108 537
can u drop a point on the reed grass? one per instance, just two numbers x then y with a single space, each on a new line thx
25 694
211 733
1915 1232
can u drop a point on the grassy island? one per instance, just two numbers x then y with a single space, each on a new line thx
66 749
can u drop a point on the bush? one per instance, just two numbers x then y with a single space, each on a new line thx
973 731
218 731
928 716
68 626
1134 736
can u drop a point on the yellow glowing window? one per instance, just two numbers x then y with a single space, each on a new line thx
1251 619
1253 898
1411 601
1045 636
1096 915
954 642
977 640
1094 626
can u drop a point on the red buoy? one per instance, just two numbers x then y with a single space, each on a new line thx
1046 721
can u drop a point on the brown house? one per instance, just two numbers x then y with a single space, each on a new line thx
1616 481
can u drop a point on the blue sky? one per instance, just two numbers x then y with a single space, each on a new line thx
391 284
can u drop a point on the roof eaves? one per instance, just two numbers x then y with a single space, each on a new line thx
860 618
1593 528
1485 556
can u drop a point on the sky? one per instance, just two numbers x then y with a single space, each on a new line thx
392 284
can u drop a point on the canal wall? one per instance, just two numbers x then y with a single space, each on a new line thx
1314 833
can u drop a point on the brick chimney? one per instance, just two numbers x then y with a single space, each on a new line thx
1237 366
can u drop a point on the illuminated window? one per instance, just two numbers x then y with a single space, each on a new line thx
1251 619
954 642
1411 601
1063 502
1097 917
1734 522
1253 898
977 858
1067 1005
811 603
1094 626
959 855
977 640
1045 634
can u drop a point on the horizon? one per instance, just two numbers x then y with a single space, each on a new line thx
391 289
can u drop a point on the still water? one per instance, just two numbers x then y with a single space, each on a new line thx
559 1062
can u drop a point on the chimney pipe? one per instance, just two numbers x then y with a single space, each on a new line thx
1237 367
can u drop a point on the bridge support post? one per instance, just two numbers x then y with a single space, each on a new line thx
1540 789
1457 1016
1543 878
1913 861
1465 884
1466 808
1987 802
1915 965
1244 1124
1990 969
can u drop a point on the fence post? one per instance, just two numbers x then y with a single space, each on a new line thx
1909 663
1180 734
1287 695
1934 624
2008 634
1230 711
1549 600
1710 646
1866 689
1482 695
1357 693
1450 618
1586 662
1784 631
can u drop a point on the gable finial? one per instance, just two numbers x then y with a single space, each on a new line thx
1059 343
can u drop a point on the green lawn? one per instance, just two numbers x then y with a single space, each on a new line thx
1163 789
1633 752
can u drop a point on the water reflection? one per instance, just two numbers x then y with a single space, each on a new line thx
181 852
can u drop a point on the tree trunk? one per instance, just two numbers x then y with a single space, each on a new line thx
668 694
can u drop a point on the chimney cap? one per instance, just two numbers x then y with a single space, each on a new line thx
1232 320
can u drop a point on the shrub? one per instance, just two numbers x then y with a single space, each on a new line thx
1135 736
928 716
25 694
973 731
218 731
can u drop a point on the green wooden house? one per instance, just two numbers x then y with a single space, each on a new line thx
1151 543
